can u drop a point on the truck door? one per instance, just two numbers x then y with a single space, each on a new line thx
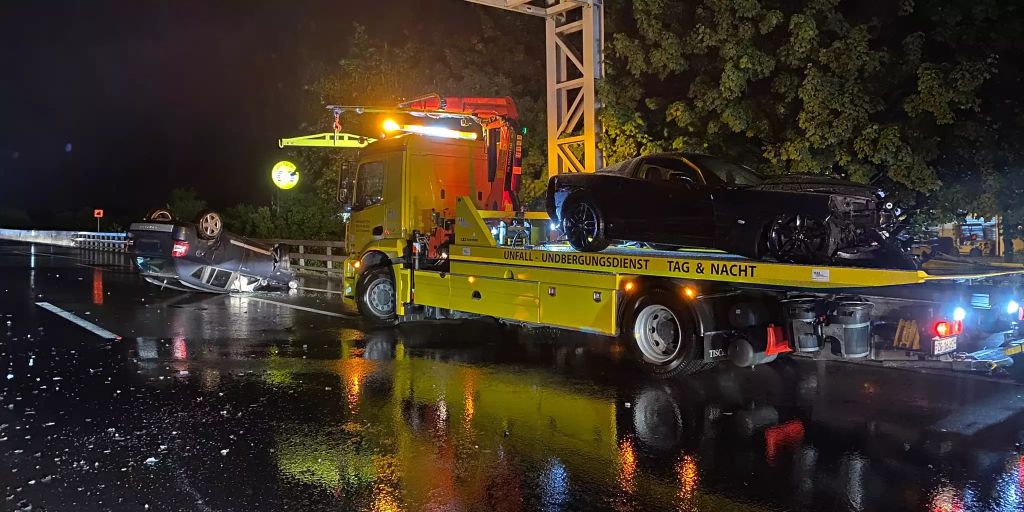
368 208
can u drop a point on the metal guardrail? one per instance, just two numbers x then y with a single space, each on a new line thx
116 242
315 255
327 256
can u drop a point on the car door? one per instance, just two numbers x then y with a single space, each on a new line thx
680 202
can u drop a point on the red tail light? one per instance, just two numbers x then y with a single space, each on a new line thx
958 327
942 328
180 249
1020 314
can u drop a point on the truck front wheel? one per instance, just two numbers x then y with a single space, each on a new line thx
375 296
662 335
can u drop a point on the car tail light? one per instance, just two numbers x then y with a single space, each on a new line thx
958 327
179 250
942 328
1020 314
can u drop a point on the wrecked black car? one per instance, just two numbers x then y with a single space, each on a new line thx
201 256
693 200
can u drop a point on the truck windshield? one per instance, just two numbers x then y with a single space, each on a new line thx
369 185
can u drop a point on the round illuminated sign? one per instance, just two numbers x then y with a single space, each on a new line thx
285 175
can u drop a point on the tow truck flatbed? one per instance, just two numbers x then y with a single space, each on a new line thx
727 300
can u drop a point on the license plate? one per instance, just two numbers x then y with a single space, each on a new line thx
943 345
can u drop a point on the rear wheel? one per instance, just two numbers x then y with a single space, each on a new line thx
375 296
663 337
160 215
209 225
583 223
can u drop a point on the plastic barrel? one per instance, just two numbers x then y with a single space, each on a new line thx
855 319
800 330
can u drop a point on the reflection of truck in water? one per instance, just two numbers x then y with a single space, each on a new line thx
390 424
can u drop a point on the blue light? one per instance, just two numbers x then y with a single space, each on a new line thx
1012 307
959 314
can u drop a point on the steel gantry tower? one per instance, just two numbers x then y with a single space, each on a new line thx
574 42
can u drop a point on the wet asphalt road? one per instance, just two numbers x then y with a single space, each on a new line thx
216 403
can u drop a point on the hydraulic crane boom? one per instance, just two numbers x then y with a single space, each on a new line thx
499 120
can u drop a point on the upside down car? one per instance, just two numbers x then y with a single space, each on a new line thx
202 256
693 200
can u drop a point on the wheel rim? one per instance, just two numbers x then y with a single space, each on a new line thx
380 296
658 334
798 237
581 224
210 224
161 215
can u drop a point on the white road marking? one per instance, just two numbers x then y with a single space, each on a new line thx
303 308
318 290
85 324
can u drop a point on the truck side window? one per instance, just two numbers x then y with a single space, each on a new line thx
369 185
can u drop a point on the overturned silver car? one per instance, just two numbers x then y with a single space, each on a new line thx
202 256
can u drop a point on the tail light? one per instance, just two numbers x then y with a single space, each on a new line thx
1020 314
958 327
179 250
942 328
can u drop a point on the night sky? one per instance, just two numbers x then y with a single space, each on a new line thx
111 103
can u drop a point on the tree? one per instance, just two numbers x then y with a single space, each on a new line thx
487 62
185 204
918 96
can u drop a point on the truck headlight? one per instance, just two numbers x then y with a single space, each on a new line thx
1012 307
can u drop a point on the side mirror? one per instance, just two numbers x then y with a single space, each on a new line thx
344 192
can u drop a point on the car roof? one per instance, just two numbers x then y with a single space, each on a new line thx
626 166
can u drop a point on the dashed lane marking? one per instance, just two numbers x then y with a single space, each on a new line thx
322 290
303 308
81 322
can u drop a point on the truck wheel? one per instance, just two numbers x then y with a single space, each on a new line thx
662 335
583 223
209 225
375 296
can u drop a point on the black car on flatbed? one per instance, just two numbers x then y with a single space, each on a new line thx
693 200
202 256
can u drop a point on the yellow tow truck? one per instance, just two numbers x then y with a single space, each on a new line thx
436 232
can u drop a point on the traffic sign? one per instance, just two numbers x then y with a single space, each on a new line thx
98 213
284 175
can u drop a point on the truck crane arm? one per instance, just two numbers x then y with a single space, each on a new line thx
499 119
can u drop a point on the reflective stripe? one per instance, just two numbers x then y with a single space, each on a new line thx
250 247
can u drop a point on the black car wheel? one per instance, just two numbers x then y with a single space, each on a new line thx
583 224
209 225
801 238
375 296
160 215
662 332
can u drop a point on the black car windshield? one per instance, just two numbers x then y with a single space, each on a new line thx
725 172
620 168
